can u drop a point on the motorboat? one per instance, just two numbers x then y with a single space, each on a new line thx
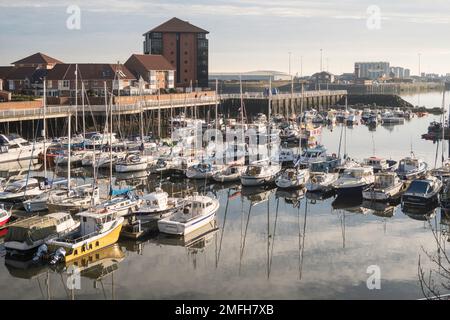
21 190
354 181
288 155
157 205
422 192
390 118
202 170
96 231
229 174
14 148
131 163
321 181
292 178
380 164
29 233
314 154
260 173
196 212
387 185
411 167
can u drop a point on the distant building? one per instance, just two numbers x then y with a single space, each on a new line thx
155 70
250 76
397 72
38 61
371 70
61 80
407 73
185 46
323 77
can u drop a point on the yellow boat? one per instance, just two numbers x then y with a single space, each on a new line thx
97 231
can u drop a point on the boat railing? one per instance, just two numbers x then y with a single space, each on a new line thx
82 238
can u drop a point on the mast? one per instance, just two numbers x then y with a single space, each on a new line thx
443 127
217 104
268 120
69 151
84 121
110 143
292 98
76 97
44 133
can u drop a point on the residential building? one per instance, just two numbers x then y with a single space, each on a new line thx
185 46
371 70
155 70
61 80
323 77
38 61
24 80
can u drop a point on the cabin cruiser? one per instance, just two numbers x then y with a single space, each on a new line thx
312 155
21 190
387 185
132 162
260 173
196 212
422 192
62 159
29 233
229 174
78 199
202 171
354 180
96 231
292 178
321 181
445 196
15 148
411 167
157 205
380 164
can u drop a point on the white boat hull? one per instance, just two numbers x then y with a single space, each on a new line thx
173 227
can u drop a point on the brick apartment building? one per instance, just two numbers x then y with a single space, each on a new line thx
154 70
38 61
61 80
185 46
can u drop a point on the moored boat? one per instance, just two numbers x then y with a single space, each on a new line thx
354 180
196 212
96 231
386 186
422 192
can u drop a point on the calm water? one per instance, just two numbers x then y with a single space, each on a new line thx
267 244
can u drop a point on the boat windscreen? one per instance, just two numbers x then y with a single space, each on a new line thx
419 187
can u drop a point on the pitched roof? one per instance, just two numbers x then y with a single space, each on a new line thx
4 71
37 58
177 25
88 71
21 73
153 61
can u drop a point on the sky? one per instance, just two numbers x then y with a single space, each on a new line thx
245 35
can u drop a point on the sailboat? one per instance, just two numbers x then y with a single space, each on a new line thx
264 171
78 199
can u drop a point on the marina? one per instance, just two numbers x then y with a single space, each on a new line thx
257 237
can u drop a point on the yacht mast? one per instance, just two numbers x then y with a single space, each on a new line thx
69 152
84 121
44 133
76 97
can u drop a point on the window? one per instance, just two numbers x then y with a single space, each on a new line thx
97 244
75 252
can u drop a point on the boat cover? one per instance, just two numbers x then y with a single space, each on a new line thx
31 229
